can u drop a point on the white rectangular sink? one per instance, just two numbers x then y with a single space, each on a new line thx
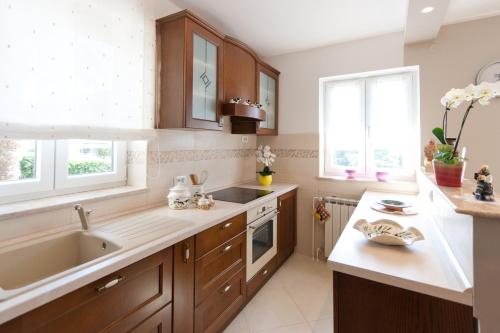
28 265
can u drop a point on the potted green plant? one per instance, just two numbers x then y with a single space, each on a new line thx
266 157
449 165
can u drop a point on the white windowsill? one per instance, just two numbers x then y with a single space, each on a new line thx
400 186
23 208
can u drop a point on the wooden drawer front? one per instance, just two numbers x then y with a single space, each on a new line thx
144 288
220 233
160 322
221 305
259 279
218 265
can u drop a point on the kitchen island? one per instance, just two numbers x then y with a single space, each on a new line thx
418 288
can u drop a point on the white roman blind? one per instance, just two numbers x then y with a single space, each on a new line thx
73 70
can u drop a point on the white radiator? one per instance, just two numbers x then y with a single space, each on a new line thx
340 212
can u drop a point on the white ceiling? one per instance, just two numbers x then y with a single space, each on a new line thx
275 27
466 10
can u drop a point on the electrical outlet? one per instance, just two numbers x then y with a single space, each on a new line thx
244 139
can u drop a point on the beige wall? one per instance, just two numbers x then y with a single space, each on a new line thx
452 60
301 71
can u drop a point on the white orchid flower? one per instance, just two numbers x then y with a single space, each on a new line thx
453 98
486 93
471 92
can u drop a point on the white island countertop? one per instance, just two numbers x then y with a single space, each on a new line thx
154 230
426 267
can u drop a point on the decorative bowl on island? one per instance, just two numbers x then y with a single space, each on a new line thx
391 204
388 232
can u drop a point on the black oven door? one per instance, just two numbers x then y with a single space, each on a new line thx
262 239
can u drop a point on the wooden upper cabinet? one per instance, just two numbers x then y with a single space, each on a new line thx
199 69
239 71
190 69
267 95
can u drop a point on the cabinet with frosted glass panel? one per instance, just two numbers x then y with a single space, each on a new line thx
267 95
189 70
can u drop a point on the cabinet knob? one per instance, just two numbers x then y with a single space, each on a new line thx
225 289
227 225
227 248
265 272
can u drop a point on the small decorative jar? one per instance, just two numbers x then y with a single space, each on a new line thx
198 191
350 173
179 197
211 200
204 203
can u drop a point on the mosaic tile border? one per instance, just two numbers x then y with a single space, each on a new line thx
296 153
176 156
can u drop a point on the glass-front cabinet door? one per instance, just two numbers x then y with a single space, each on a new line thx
204 73
268 97
204 79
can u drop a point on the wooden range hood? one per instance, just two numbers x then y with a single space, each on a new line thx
245 119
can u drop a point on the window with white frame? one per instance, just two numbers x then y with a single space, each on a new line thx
370 123
39 168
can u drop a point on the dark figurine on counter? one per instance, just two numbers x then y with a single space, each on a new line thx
484 188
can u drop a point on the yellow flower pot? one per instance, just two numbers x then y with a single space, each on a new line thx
265 180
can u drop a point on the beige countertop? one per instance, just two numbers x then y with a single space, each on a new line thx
463 201
154 230
426 267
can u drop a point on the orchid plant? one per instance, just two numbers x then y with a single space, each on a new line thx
473 94
266 157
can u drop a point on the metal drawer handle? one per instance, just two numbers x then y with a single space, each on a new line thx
226 289
264 272
227 225
227 248
186 254
110 284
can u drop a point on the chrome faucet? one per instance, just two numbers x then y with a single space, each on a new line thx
84 216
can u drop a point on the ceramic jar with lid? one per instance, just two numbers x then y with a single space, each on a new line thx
179 197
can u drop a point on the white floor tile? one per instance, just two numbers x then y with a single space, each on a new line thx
272 307
322 326
297 299
298 328
238 325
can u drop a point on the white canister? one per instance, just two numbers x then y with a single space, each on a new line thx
179 197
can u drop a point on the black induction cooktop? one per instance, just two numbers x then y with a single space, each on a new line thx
239 194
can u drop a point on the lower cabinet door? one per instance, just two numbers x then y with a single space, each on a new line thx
115 303
261 277
160 322
217 310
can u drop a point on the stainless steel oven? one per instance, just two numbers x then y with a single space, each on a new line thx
262 228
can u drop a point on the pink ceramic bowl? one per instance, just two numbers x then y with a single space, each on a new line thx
350 173
381 176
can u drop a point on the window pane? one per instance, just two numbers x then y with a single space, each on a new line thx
390 129
18 159
344 125
90 157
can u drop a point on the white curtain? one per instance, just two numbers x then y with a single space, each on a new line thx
73 69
